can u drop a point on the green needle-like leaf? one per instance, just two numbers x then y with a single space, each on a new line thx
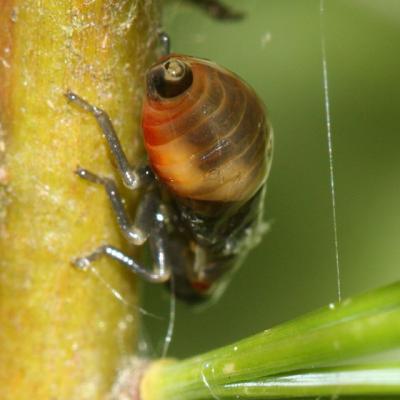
379 379
309 356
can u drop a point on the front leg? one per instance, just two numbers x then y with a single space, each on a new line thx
131 177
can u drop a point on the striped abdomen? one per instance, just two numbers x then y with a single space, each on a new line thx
205 131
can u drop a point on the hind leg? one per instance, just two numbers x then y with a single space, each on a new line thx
160 273
149 221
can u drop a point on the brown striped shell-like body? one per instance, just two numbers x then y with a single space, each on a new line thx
210 142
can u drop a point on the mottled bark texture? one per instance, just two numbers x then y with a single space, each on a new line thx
64 332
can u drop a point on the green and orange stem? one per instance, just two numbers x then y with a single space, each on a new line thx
62 332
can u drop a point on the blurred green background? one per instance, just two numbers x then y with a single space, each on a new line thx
277 49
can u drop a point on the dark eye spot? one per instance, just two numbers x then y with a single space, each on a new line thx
171 79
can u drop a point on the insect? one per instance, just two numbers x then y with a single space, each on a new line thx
218 10
209 147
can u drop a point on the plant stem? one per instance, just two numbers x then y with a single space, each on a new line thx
64 332
365 325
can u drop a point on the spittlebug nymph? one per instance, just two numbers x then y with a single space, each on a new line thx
209 148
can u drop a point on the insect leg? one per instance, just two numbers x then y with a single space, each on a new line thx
174 249
129 175
148 220
159 273
137 232
165 42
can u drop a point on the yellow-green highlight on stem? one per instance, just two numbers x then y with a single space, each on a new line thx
63 332
315 355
